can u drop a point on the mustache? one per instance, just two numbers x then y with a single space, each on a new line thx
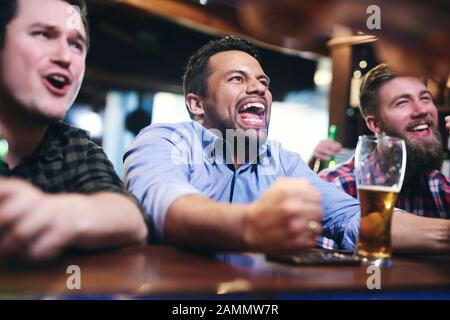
256 97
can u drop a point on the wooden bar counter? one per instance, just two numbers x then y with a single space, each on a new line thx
172 273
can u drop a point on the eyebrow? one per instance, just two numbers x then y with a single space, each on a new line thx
246 74
407 96
53 28
424 91
80 37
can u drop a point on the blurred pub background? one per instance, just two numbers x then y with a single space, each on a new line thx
315 52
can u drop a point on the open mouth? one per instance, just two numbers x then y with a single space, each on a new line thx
57 84
252 114
420 130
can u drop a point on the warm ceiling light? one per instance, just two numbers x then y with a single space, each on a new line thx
357 74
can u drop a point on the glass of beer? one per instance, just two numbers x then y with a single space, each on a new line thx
380 163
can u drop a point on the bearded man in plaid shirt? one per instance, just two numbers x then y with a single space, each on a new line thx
402 106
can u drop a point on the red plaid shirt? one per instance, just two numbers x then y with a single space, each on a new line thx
428 195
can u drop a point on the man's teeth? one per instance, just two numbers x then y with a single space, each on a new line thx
57 78
254 105
253 120
420 127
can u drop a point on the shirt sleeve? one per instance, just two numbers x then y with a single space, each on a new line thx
341 179
157 171
95 173
341 212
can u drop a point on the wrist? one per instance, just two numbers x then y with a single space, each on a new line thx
246 233
446 235
74 207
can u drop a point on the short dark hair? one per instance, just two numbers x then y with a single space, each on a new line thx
8 10
198 69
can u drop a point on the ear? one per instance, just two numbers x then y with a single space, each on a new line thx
194 104
373 124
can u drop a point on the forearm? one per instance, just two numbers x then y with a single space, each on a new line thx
196 221
108 219
411 233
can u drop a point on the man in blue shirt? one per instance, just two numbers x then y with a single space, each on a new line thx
217 183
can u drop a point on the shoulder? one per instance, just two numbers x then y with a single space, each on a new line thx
288 160
71 140
163 139
343 170
68 133
166 129
342 176
435 177
275 148
85 165
169 132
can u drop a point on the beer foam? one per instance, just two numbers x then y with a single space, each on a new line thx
395 189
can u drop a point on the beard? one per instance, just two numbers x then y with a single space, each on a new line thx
422 154
241 144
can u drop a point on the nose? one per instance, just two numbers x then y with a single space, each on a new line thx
62 55
255 86
419 109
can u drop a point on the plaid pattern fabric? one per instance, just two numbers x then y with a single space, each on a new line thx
427 196
68 161
373 171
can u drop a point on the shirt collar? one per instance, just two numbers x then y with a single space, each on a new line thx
50 148
213 147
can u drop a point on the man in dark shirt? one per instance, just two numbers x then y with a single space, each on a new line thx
61 190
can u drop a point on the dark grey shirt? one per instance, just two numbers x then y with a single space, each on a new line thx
68 161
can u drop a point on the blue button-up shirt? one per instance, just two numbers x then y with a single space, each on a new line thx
169 161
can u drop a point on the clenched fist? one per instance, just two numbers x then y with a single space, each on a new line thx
34 224
286 219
